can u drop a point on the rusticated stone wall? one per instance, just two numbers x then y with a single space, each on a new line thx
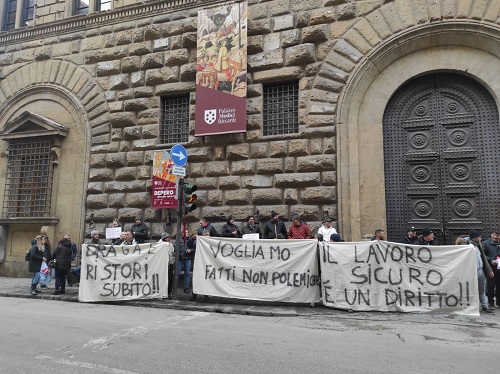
116 66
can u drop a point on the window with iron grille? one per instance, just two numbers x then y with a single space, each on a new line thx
28 186
281 108
174 119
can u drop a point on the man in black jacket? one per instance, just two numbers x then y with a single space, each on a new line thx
139 230
274 228
491 248
411 236
250 227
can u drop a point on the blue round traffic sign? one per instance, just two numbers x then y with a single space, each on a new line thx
179 155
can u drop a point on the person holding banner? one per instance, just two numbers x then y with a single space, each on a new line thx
250 227
205 226
139 230
411 236
326 229
274 228
483 269
230 230
165 238
427 237
491 248
298 229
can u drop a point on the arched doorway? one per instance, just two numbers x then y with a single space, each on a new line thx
441 155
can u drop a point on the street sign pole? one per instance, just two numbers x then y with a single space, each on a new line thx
180 192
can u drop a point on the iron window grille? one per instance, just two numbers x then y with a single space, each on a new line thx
281 108
28 186
174 119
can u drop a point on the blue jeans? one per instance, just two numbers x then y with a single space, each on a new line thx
35 279
186 265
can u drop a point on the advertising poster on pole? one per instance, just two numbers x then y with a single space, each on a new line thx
164 182
221 69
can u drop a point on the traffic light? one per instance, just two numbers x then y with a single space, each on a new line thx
189 197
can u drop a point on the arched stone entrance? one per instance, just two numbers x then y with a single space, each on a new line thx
441 148
359 122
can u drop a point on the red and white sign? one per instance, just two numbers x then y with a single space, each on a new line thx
164 181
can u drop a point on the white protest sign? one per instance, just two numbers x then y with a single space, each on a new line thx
113 232
266 270
114 273
392 277
250 236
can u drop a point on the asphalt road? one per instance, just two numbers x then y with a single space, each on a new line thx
41 336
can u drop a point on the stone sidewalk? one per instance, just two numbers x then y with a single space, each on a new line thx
20 287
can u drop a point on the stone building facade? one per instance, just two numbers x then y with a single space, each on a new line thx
94 84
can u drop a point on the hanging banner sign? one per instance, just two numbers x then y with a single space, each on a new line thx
221 69
117 273
265 270
164 184
393 277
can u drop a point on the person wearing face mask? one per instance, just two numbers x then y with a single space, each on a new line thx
491 248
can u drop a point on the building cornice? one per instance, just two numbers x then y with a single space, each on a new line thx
105 18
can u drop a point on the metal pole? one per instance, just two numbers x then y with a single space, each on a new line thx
180 204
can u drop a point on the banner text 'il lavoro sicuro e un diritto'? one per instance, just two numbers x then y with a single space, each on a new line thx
386 276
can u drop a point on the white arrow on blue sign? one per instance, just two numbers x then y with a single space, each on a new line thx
178 154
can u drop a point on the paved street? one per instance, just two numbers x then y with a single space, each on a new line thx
51 336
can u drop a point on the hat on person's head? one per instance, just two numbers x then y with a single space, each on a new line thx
94 232
33 241
296 218
335 238
273 213
327 219
229 218
410 229
473 234
165 235
138 218
426 231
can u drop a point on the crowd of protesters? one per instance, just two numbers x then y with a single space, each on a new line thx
46 264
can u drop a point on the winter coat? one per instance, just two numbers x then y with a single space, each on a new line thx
491 249
182 252
227 230
274 228
210 228
251 229
140 232
62 255
36 258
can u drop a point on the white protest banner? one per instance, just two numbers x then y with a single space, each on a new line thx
266 270
130 272
392 277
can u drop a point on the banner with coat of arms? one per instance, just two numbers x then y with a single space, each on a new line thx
221 69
